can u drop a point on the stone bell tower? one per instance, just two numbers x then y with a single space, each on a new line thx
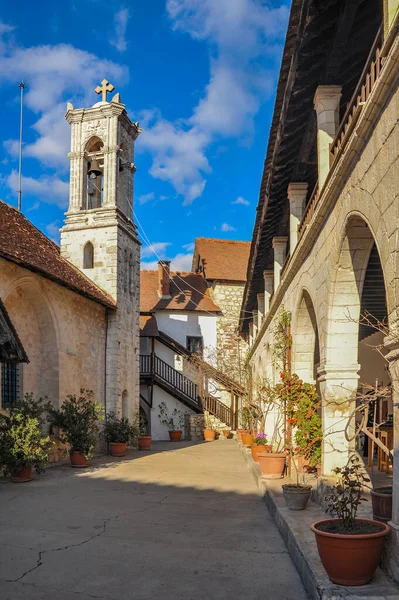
99 235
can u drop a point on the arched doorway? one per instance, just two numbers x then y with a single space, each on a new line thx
359 283
33 319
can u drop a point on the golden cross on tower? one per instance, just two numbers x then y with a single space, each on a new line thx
104 88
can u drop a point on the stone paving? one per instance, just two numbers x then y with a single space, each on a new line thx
184 521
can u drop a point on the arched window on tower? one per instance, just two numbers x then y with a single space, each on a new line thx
95 167
88 256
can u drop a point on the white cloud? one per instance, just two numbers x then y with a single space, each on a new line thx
49 189
53 230
54 74
144 198
241 200
189 247
120 21
227 227
240 76
180 262
157 248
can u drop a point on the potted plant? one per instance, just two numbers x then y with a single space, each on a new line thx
260 445
209 434
144 440
226 433
272 464
22 444
381 499
175 423
247 439
77 420
240 433
350 548
118 433
296 495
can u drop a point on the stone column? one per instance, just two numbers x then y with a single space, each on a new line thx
280 252
391 8
255 322
297 198
326 103
261 308
391 556
338 387
268 277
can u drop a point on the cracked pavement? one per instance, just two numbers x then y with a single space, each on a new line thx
182 521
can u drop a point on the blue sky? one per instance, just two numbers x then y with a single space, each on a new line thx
199 75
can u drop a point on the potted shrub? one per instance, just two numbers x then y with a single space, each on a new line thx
144 440
226 433
240 433
247 439
22 444
118 433
175 423
260 445
350 548
272 464
78 420
209 434
381 499
296 495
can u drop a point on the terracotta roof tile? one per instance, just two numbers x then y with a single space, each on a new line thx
223 259
22 243
183 296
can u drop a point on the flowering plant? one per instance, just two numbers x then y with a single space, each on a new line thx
261 439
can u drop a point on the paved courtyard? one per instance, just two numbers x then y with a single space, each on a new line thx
181 522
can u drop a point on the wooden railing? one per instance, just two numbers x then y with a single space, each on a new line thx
309 211
367 81
152 365
217 408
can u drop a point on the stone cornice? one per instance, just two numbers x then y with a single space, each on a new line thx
112 109
332 187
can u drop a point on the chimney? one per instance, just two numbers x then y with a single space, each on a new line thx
164 279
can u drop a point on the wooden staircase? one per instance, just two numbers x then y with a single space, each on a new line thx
156 371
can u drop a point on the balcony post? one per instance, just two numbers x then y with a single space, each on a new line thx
326 104
280 252
268 277
297 197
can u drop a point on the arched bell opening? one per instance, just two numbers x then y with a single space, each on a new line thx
94 173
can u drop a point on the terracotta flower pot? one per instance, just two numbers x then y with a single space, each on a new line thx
247 439
296 496
22 476
117 448
382 504
175 436
144 442
350 559
226 433
272 464
240 432
209 435
78 460
256 449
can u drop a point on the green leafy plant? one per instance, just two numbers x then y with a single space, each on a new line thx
142 422
346 495
78 420
119 429
21 443
175 422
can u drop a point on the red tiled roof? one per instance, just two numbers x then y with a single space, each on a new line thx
223 259
22 243
184 297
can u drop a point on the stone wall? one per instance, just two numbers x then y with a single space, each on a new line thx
195 424
62 332
228 296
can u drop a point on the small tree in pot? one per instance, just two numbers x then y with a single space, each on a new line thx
118 433
78 420
144 439
174 423
350 548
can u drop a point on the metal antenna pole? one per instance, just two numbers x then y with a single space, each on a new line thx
22 87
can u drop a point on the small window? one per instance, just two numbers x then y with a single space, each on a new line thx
88 256
9 384
195 345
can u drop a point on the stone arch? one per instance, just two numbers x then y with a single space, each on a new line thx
34 319
306 353
88 256
338 376
93 150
